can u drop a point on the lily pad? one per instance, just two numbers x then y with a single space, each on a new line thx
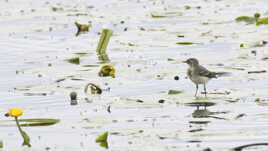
37 122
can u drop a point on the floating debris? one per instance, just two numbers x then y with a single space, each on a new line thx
170 92
107 70
94 88
166 14
161 101
140 101
240 116
109 109
186 43
196 130
103 43
35 94
199 122
81 28
261 71
60 80
75 60
80 53
176 78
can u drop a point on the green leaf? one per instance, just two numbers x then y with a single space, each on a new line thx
1 144
247 19
262 21
157 16
102 138
75 60
186 43
38 122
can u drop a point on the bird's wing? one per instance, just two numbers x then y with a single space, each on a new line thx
206 73
189 73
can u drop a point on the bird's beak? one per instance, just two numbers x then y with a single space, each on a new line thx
184 61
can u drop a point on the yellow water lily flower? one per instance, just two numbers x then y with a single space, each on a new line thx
15 112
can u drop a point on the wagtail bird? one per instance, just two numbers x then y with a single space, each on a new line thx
199 74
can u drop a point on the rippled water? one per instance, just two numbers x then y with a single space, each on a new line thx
34 36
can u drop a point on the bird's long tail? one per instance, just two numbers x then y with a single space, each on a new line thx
223 74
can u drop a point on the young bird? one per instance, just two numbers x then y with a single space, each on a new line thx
199 74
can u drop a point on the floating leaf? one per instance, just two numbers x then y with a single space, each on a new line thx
38 122
157 16
262 21
75 60
186 43
81 53
166 14
247 19
107 70
102 138
103 43
174 92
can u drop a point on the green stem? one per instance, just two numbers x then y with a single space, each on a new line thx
26 138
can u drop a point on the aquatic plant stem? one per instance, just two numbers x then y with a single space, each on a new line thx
26 138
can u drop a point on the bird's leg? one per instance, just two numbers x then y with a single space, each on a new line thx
196 90
205 90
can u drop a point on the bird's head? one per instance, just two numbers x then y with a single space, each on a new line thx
191 62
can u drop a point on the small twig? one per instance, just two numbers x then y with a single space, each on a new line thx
261 71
